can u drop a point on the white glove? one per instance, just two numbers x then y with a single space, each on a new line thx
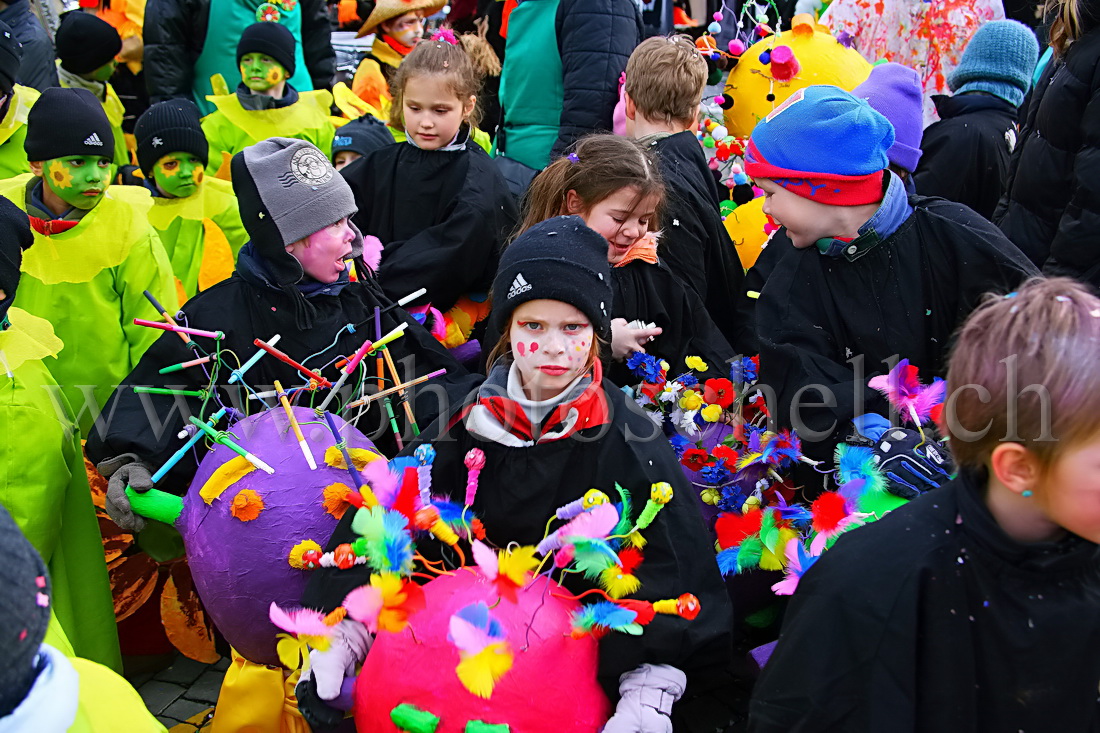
347 649
647 695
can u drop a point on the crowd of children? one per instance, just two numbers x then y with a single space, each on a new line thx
578 300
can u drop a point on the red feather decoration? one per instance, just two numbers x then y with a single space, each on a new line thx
733 528
828 511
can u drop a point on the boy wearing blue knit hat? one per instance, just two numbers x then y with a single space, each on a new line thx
967 153
858 269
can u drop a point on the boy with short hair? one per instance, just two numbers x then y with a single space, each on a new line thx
860 269
16 103
86 51
973 607
664 86
94 252
265 104
195 215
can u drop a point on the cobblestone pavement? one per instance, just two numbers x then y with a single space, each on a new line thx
182 696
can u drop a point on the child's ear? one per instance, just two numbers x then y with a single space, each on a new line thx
468 108
573 203
1015 467
36 167
631 108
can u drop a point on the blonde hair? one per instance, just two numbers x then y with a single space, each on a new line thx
599 166
665 77
1072 19
463 65
1023 370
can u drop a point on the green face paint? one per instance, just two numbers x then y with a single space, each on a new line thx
103 73
178 175
260 73
79 180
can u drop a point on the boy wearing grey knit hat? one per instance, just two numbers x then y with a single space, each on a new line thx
966 154
292 279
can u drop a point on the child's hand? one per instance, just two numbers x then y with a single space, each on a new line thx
626 340
348 648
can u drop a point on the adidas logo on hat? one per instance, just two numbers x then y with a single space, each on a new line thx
519 285
93 139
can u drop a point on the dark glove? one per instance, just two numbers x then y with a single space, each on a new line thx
321 716
122 471
911 464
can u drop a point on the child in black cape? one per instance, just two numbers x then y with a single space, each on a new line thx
861 273
665 78
551 428
437 203
287 282
613 184
974 607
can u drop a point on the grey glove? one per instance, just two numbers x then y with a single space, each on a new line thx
122 471
347 649
647 695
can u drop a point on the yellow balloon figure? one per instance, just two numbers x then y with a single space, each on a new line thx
812 56
745 225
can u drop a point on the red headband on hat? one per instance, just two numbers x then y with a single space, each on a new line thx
827 188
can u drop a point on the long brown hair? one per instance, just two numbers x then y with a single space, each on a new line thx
1071 20
599 166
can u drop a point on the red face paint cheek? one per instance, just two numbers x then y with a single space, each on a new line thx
534 346
521 348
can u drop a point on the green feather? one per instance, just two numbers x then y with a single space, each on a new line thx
592 556
748 553
625 510
769 533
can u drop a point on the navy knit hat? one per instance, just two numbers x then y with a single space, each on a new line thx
895 92
171 126
24 612
557 259
11 55
361 136
823 144
270 39
999 59
83 129
85 42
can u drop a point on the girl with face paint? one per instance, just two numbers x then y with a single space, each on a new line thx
551 429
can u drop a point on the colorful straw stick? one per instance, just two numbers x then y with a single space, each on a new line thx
401 392
399 304
238 374
164 314
163 470
393 424
390 337
161 390
343 446
349 368
370 347
321 381
216 335
294 426
387 392
228 443
273 393
377 338
184 365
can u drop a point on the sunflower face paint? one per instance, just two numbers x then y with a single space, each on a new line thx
178 175
103 73
79 180
260 73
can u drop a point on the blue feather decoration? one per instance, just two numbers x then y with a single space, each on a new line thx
609 616
592 556
727 561
397 544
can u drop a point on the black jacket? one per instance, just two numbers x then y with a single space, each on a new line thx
175 31
595 39
245 311
902 298
36 68
694 243
443 218
966 154
932 619
652 294
519 489
1051 208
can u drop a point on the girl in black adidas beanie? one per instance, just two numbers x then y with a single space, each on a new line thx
551 428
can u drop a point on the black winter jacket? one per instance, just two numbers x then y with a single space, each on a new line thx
1051 208
36 68
967 153
175 31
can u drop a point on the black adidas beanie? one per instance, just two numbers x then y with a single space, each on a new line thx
85 42
11 54
171 126
24 612
84 129
271 39
557 259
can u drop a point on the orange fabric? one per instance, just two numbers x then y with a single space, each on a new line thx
644 249
369 84
509 6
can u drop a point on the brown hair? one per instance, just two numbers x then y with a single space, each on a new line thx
665 77
599 166
463 64
1072 19
1023 370
503 349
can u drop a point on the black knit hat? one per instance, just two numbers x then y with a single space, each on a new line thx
85 42
83 128
361 136
24 612
15 236
171 126
557 259
271 39
11 54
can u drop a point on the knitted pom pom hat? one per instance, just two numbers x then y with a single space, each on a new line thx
895 92
24 612
557 259
171 126
823 144
85 42
999 59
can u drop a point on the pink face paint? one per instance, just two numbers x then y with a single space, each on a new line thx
521 348
534 346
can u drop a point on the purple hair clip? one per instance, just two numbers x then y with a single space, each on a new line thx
574 158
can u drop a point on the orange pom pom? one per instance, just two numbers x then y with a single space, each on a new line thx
247 505
337 499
